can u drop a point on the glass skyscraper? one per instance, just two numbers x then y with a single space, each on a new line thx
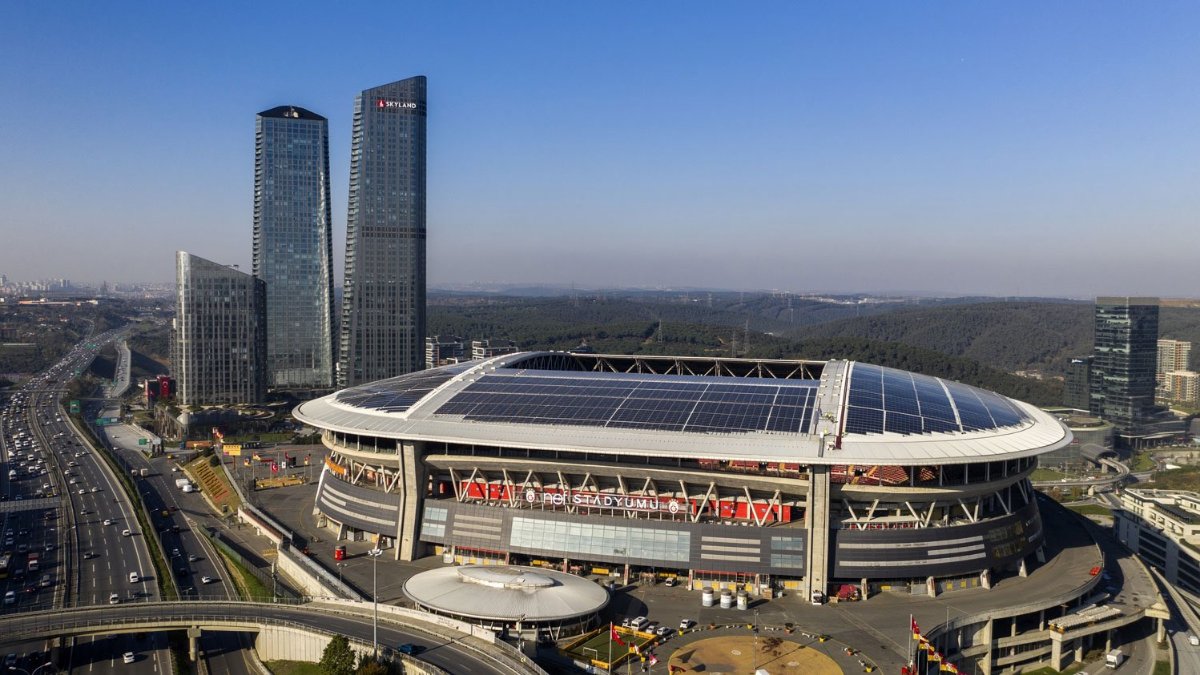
219 333
383 303
1123 362
293 249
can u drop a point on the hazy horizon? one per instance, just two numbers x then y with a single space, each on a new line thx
1013 149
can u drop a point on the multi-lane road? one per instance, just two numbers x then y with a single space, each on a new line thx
64 504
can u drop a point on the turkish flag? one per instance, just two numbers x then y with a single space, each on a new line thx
612 633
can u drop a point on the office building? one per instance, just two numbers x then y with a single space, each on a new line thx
1123 363
293 248
1162 527
1172 356
486 349
444 350
1076 387
383 303
219 340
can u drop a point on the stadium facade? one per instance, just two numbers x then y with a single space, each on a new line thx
805 474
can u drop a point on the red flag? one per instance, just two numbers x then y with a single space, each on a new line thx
916 630
274 467
612 633
653 659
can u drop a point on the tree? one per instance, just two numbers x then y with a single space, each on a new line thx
338 658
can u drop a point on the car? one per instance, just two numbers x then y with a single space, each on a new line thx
637 623
82 491
129 657
669 583
410 649
126 533
174 552
83 512
88 555
1193 640
10 661
685 624
663 631
193 557
181 571
10 598
134 578
108 521
207 580
114 599
625 622
95 489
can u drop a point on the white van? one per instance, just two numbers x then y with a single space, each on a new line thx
134 578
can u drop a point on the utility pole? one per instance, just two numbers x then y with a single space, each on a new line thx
375 553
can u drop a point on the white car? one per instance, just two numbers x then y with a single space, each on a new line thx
126 533
108 521
114 599
128 657
207 580
637 623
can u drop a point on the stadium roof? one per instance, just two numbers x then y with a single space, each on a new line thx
506 593
834 412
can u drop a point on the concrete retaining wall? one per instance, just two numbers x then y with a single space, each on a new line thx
313 579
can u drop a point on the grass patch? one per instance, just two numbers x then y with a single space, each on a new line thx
1187 478
262 438
248 585
1040 475
294 668
1162 668
1089 509
1142 461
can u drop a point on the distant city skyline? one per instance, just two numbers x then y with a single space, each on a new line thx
993 149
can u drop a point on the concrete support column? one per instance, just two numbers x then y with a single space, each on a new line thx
193 634
816 519
1108 634
566 563
1161 632
1042 619
412 490
985 578
1079 650
1056 651
985 665
1024 569
931 587
625 575
1013 630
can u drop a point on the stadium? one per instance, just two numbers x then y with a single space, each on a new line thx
767 474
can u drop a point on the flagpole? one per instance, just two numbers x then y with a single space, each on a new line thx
910 640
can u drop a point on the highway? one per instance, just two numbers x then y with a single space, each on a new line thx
450 655
82 539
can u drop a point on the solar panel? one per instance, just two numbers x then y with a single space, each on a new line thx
637 401
884 399
398 394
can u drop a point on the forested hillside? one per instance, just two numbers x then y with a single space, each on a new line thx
1011 336
622 326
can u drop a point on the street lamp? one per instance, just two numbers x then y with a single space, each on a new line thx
340 566
375 553
22 670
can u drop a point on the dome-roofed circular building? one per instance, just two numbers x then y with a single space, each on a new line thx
804 474
525 599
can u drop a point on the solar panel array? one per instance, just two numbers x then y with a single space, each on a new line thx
656 402
398 394
896 401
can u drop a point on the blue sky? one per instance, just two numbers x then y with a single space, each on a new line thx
1002 148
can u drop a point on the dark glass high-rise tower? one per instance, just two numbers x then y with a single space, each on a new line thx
383 303
1123 362
293 246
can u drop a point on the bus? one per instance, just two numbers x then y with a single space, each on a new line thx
5 562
